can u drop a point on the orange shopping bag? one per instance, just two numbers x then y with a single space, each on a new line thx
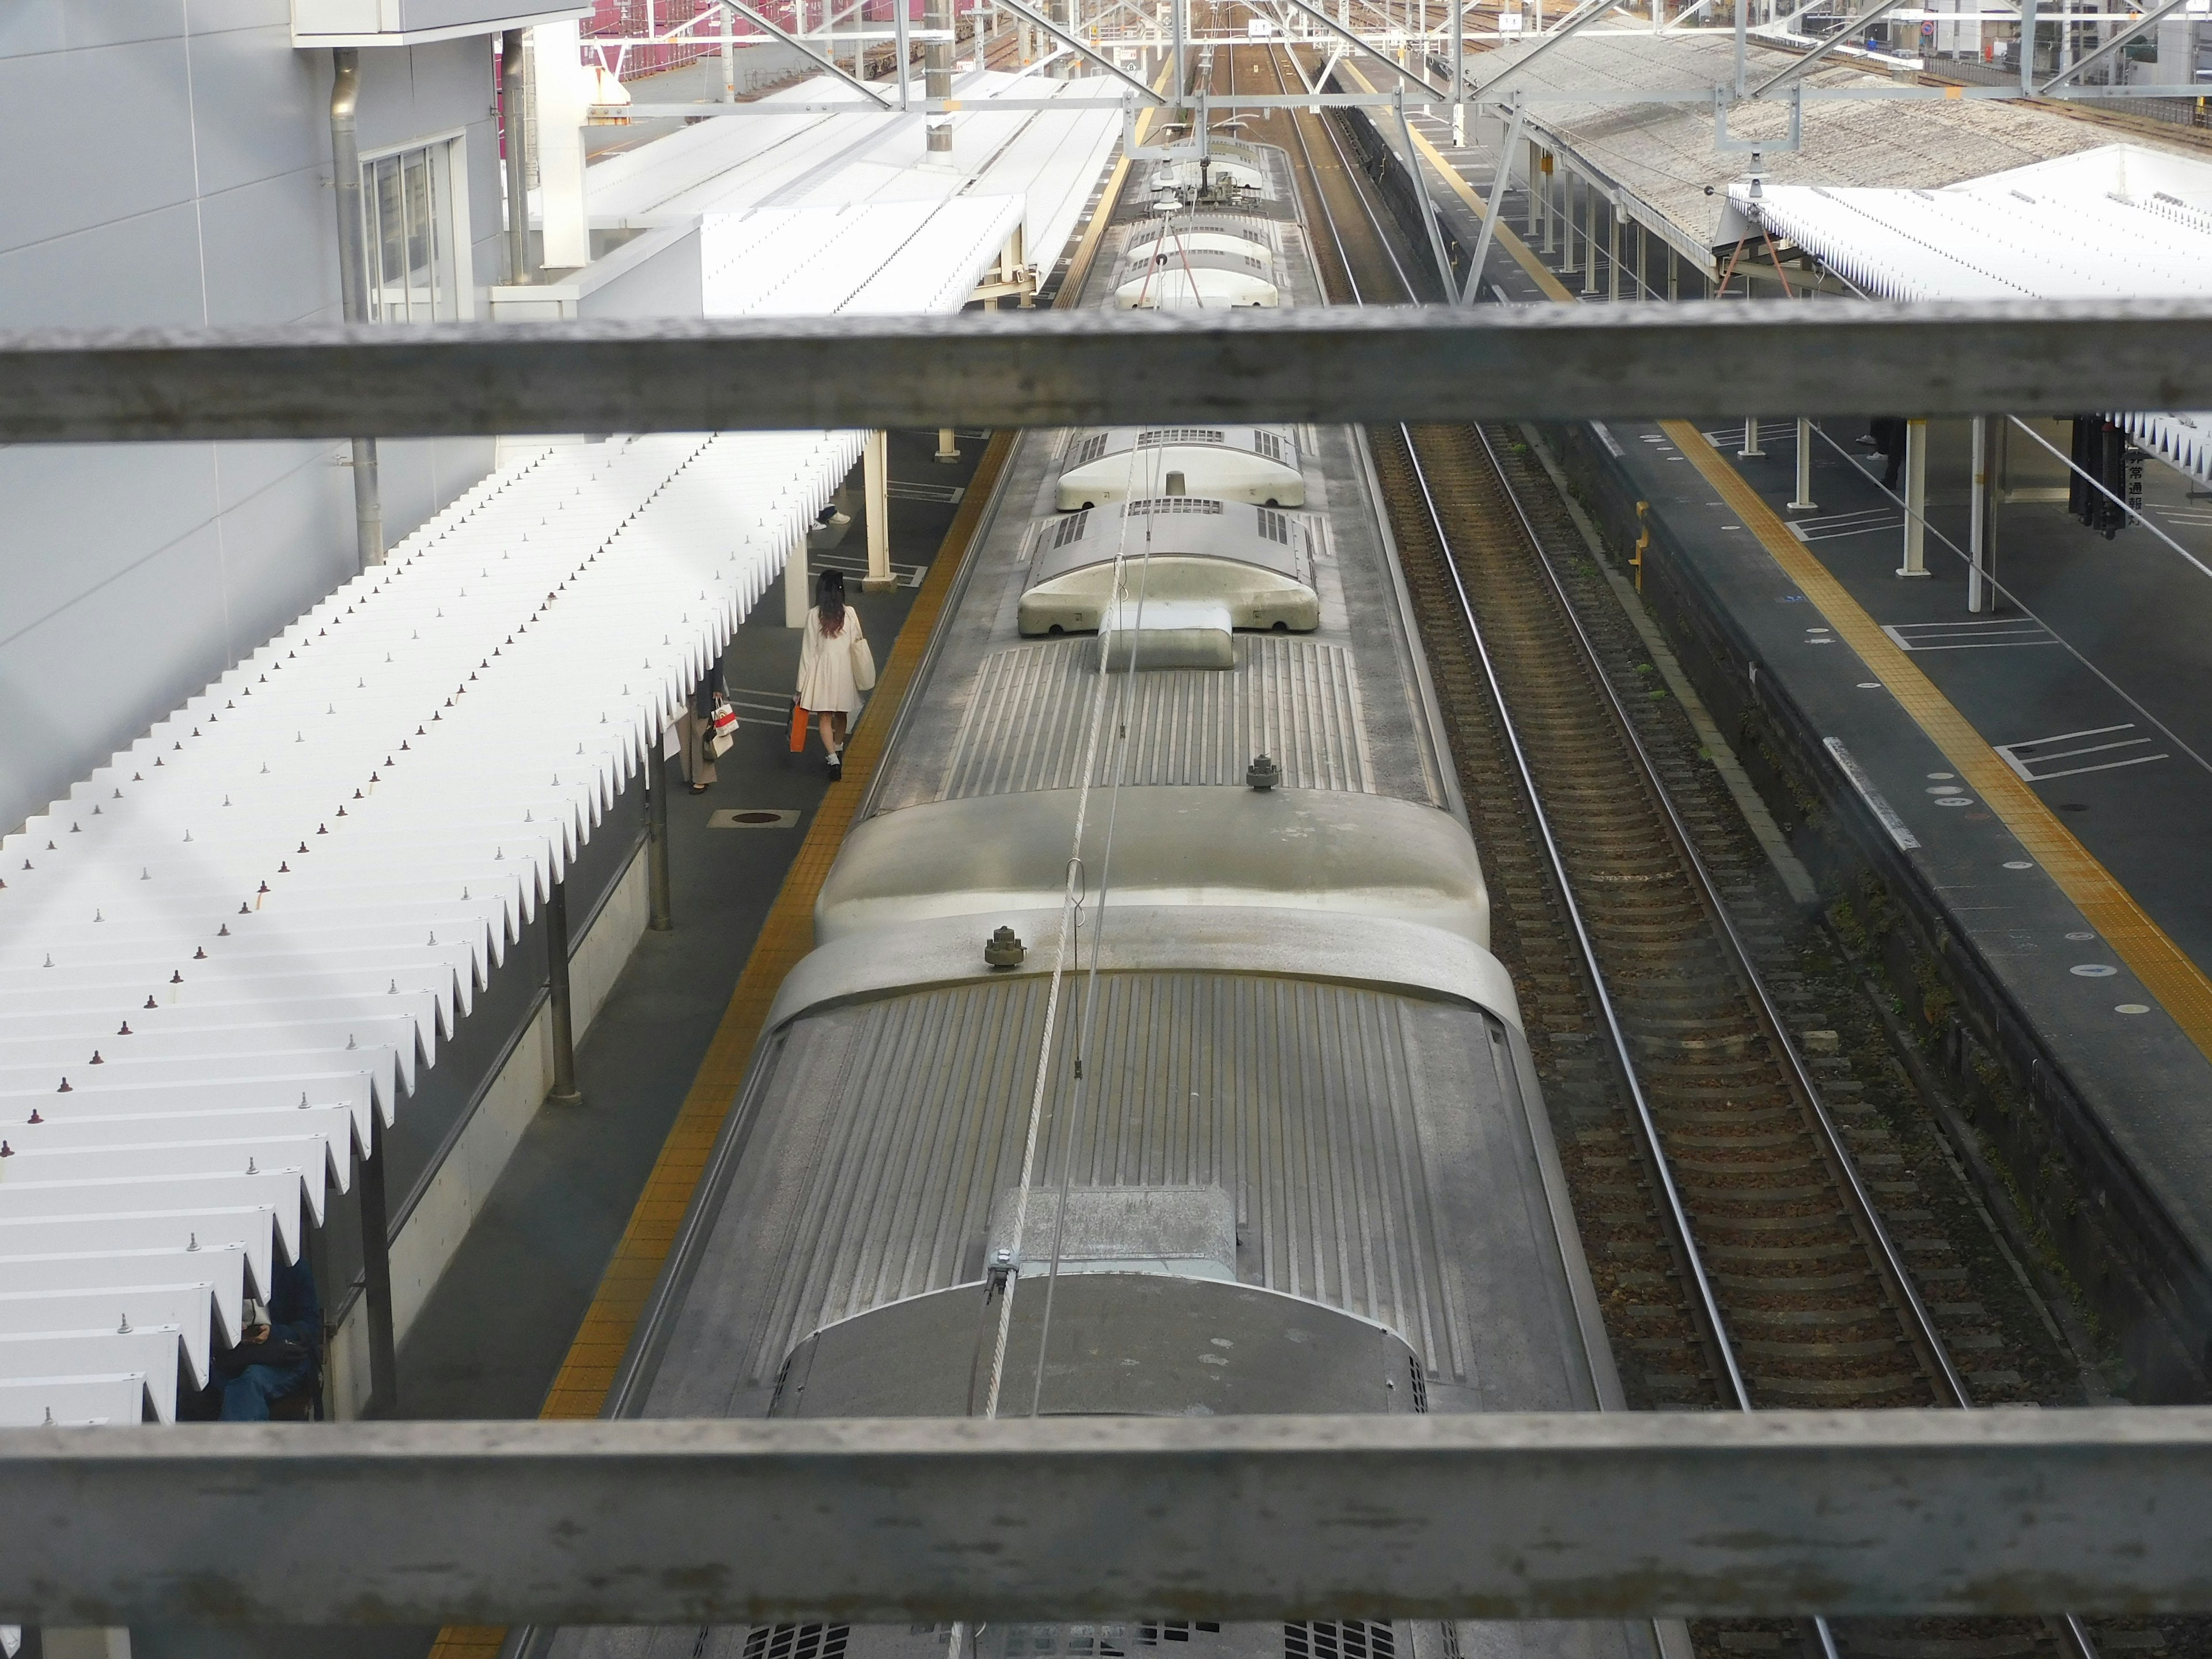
798 730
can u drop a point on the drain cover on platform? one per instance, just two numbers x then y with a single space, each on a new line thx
754 817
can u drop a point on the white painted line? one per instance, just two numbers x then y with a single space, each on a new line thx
1605 437
1882 809
1967 636
2015 755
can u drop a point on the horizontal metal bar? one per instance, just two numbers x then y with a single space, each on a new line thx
1725 359
1589 1516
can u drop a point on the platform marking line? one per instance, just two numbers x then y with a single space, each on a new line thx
2024 764
1838 526
1968 636
900 490
2164 969
580 1388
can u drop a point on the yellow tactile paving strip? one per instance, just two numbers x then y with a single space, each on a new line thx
2180 986
580 1390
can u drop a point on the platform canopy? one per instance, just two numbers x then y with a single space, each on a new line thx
2120 221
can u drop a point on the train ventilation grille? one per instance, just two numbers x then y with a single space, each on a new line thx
1420 1382
797 1641
1151 1635
1350 1638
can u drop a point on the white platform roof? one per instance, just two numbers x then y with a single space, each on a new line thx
245 937
1047 160
2118 220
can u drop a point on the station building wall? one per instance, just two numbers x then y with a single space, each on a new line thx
173 170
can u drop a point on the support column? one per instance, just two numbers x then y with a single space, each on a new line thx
875 476
655 774
937 78
353 280
376 1275
798 585
948 447
1982 530
1674 273
1803 501
1916 500
560 1006
1613 251
1589 235
1529 202
515 104
1566 221
1751 451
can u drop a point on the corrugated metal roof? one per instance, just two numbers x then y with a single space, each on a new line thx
1377 1149
1295 699
1664 155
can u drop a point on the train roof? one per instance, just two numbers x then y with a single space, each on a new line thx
1181 527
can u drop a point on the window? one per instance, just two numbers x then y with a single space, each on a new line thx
1070 529
1270 445
407 199
1090 449
1275 526
1180 435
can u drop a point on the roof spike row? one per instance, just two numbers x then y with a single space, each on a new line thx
252 1167
176 976
151 1003
223 931
95 1059
37 1116
65 1089
124 1029
123 1328
191 1241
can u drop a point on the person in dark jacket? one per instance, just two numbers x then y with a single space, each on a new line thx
1887 432
276 1360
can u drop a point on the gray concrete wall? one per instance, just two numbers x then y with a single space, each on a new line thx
172 168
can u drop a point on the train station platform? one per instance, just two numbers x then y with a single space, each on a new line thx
1961 757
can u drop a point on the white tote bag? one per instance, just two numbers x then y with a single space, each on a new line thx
864 664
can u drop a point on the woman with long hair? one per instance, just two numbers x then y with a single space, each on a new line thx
826 682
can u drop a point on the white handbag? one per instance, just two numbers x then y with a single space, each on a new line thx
864 664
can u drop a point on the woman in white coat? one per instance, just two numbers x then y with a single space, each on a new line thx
829 679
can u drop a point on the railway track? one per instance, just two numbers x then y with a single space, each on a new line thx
1759 1229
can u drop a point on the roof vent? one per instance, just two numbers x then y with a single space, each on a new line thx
1263 773
1005 950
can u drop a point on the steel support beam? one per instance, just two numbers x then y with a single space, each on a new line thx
1089 54
1359 43
1569 26
1778 357
807 52
1585 1515
2127 32
1851 31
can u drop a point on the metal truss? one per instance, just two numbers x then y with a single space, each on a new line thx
1106 368
1582 1516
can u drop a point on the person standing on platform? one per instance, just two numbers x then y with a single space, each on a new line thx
831 672
1887 432
696 727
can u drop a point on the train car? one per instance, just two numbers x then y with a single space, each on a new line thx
1290 1151
1253 464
